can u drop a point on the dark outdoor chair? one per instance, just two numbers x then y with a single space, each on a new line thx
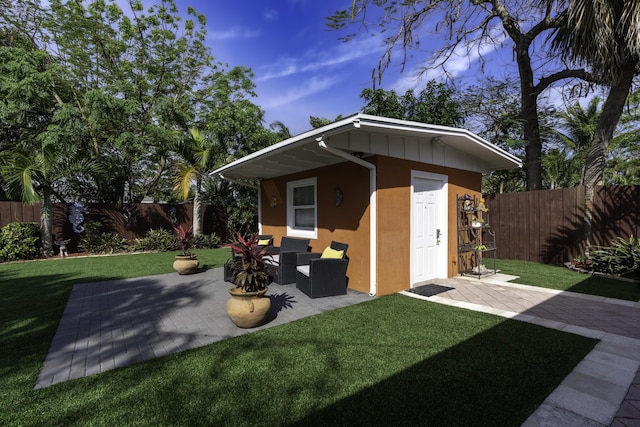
282 266
321 277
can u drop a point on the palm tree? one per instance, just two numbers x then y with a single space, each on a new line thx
32 173
281 131
576 130
603 35
199 154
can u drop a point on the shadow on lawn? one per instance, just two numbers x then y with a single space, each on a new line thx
486 380
31 309
115 323
608 287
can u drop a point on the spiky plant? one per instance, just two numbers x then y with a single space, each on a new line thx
250 272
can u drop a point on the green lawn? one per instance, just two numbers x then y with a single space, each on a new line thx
564 279
392 360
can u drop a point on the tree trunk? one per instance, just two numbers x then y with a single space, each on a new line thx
594 168
197 210
529 115
46 224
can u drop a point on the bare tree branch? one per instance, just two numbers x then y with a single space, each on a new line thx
547 81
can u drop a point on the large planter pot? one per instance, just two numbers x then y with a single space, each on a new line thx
185 264
248 309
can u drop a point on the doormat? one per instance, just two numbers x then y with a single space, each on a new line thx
430 290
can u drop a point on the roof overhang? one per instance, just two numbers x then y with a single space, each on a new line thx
363 135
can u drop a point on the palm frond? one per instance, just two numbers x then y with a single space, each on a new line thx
183 180
18 171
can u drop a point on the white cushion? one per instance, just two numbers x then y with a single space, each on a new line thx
304 269
272 260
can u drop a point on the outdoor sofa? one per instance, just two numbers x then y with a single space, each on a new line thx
284 258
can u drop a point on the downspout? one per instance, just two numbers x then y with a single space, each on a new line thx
373 271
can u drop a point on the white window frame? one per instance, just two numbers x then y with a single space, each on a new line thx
292 230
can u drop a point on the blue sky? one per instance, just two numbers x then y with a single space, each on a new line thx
300 68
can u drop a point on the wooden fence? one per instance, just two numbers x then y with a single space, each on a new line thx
131 220
542 226
547 226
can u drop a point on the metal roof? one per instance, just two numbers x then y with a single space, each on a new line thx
364 135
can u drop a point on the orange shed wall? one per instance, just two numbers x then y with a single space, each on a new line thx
348 223
394 217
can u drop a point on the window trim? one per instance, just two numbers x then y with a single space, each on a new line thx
291 229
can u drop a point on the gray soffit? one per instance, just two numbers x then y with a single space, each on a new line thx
365 135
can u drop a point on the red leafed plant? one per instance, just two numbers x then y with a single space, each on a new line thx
248 263
184 237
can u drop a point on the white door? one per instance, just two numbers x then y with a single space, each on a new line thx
428 226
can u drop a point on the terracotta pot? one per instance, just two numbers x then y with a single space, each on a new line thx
248 309
186 264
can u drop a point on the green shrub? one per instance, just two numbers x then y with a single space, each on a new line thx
156 240
205 241
621 258
165 241
19 240
97 242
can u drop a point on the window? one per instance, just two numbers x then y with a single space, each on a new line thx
301 208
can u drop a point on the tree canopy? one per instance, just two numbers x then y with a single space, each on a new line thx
434 104
118 87
468 27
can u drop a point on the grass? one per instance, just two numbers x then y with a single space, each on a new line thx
392 360
564 279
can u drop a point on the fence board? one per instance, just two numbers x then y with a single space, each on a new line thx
547 226
18 212
131 221
5 213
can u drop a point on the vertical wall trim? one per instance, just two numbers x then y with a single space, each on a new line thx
373 212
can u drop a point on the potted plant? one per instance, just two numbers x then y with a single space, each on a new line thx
187 262
477 222
248 306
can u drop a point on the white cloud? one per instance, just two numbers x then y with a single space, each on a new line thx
270 15
461 60
286 67
316 59
303 89
234 33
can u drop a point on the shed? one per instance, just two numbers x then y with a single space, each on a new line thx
386 187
